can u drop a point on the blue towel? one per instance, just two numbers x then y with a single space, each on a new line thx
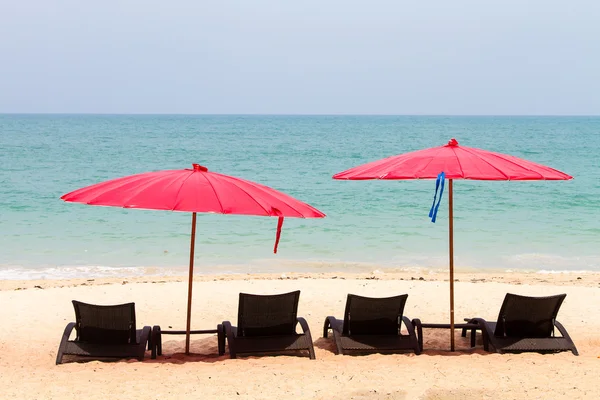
434 207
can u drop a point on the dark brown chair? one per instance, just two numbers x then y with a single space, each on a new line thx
373 325
526 324
104 331
267 324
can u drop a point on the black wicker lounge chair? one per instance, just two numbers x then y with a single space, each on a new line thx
526 324
104 331
267 324
373 325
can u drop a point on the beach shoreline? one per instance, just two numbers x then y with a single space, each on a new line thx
571 278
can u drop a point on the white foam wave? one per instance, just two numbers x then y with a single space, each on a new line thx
552 262
95 271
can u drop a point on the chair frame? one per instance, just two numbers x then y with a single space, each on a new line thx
347 343
139 339
494 335
238 343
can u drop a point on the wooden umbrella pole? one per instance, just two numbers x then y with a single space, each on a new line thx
451 248
190 282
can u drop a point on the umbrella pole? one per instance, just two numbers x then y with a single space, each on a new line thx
190 281
451 248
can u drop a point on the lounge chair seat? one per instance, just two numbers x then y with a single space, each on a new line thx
104 332
267 324
373 325
526 324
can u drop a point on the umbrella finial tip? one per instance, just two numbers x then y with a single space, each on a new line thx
198 167
452 142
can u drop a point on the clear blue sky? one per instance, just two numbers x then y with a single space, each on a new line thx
300 57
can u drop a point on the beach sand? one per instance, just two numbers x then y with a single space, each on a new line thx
35 313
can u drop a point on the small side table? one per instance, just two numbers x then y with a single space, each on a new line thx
157 332
473 327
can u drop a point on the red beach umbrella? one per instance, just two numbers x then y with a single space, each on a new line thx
194 190
456 162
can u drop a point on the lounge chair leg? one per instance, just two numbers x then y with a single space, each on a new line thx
156 342
144 339
221 339
417 325
230 338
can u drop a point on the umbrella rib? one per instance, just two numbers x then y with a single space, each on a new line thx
487 162
521 166
292 207
250 196
267 211
430 161
120 185
148 183
398 163
158 178
215 192
462 172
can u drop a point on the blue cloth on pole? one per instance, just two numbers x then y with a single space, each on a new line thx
439 183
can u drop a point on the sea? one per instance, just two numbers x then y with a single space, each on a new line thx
371 226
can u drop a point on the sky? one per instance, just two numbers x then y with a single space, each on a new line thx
436 57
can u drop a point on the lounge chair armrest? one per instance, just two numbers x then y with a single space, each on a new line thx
68 329
410 325
564 333
63 341
561 329
303 324
328 324
306 330
228 329
145 337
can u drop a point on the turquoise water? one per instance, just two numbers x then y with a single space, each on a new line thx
549 226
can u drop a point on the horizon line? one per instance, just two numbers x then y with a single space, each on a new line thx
300 115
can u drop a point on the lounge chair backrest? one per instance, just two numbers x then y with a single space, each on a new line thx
373 316
523 316
268 315
114 324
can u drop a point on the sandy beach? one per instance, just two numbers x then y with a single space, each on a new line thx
34 314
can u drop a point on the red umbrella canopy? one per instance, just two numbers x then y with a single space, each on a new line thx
457 162
193 190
